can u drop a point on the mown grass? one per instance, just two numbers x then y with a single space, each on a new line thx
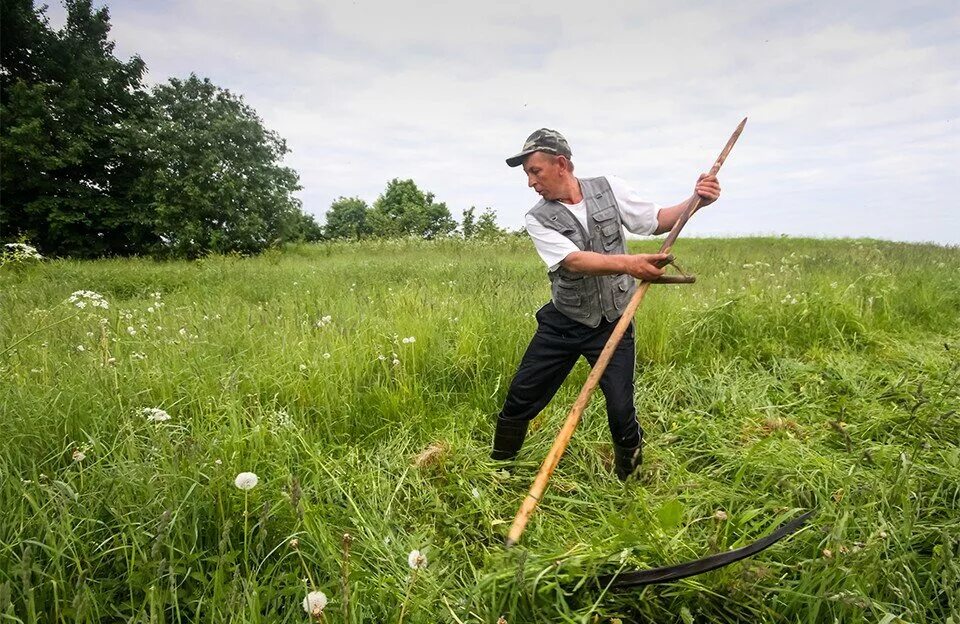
794 374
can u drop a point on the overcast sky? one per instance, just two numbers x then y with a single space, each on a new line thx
852 106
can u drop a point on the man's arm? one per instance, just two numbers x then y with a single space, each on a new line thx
708 188
640 266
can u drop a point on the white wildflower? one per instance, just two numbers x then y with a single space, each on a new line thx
136 355
81 348
155 414
218 462
315 603
246 481
416 560
409 340
326 356
81 298
396 362
22 251
78 455
381 357
131 330
150 309
111 360
183 331
303 367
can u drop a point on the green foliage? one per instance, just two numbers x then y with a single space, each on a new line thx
468 226
93 165
794 373
347 218
487 228
404 210
69 157
215 182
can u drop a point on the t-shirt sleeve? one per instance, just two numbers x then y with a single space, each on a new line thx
552 246
638 214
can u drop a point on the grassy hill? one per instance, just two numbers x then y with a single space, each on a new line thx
360 383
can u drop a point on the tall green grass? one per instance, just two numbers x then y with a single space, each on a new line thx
793 374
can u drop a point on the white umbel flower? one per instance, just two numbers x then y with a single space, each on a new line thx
155 414
80 298
416 560
314 603
246 481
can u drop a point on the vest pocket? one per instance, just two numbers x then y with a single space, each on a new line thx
568 296
622 291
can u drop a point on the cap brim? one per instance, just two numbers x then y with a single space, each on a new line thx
516 161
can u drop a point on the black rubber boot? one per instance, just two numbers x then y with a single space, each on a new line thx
626 460
508 438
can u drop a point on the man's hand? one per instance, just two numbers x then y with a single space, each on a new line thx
645 266
708 188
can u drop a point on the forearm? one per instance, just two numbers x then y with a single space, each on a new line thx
667 217
593 263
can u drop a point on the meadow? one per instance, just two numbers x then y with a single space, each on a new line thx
360 383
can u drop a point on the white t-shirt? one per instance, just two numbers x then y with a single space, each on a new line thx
638 215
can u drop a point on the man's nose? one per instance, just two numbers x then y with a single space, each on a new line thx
530 181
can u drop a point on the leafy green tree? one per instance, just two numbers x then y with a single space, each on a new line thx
487 227
69 162
405 210
347 218
468 226
304 228
215 183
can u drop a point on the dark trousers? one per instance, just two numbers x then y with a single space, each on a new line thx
550 357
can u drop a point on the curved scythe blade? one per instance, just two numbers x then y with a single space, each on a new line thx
691 568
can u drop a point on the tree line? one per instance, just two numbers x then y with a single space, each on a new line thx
405 210
93 163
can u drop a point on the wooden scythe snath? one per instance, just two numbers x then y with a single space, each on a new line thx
658 575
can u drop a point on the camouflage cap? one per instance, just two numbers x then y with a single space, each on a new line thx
543 140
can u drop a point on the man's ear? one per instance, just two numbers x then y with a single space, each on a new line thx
564 163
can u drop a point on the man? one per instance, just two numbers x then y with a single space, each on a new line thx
577 228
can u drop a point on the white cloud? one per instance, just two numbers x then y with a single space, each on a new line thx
852 108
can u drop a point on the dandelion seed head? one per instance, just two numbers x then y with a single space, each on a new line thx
246 481
416 560
314 603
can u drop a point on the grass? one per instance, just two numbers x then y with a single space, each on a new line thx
795 373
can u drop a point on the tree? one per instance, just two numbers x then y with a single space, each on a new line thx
487 227
214 182
405 210
67 124
347 218
304 228
469 226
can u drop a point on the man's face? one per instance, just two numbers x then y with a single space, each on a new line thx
544 174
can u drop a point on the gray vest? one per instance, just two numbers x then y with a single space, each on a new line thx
588 298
